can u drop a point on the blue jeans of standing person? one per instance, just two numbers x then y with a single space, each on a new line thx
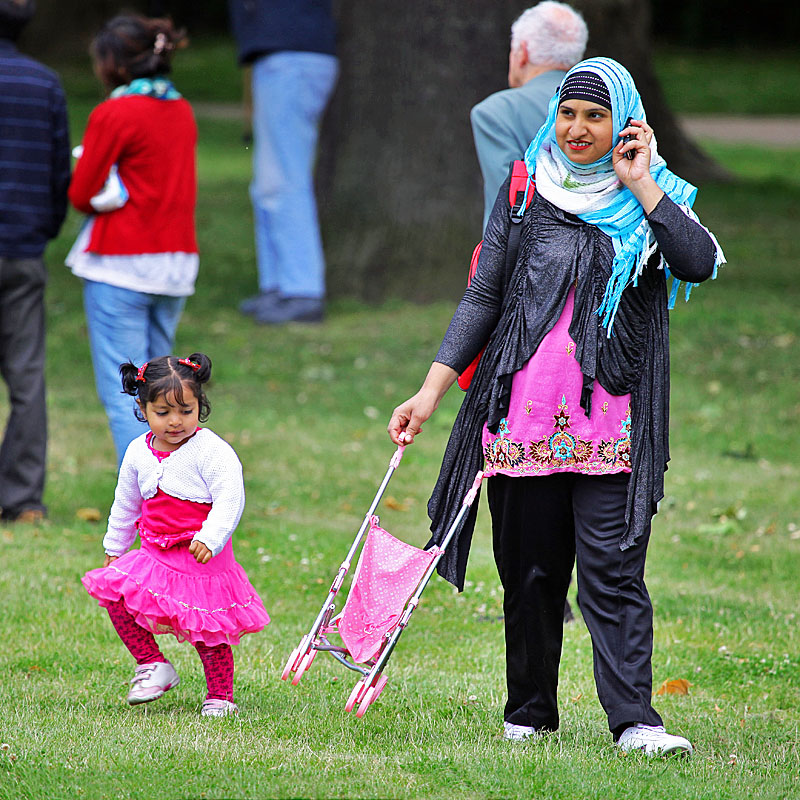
126 326
22 356
290 92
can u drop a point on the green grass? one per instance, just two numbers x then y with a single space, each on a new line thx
729 82
306 407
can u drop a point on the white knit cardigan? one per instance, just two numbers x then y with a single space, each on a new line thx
204 470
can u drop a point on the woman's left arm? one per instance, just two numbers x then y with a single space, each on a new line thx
684 243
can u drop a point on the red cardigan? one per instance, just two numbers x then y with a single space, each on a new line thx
153 142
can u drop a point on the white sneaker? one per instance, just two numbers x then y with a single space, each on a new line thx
517 733
151 681
653 740
218 708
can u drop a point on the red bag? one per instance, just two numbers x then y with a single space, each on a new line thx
516 195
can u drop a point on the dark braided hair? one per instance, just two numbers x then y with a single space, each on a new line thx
131 46
167 375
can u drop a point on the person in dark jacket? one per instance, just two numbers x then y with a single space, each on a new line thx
291 47
568 408
34 152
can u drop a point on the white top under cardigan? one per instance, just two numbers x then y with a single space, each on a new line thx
204 470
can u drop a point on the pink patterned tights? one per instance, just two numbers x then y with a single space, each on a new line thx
217 661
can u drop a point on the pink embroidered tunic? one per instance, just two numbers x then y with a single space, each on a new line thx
546 431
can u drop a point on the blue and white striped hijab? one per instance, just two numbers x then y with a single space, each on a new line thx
599 198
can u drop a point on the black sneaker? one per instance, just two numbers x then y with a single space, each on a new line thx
262 300
292 309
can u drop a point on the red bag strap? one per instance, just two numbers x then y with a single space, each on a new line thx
516 193
516 189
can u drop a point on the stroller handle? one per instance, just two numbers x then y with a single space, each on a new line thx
398 455
469 499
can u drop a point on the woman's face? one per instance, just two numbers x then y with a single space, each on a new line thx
584 130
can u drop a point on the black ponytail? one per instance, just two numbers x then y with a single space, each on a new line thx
128 371
168 375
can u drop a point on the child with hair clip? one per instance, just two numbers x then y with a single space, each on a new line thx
180 487
136 179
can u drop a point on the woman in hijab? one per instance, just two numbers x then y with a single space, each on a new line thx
568 409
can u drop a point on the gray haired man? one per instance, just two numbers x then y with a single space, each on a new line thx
546 40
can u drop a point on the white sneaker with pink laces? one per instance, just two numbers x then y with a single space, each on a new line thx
214 707
151 681
653 740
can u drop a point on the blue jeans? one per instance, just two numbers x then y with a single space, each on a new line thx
290 92
126 326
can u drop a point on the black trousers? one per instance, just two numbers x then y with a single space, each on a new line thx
541 527
22 357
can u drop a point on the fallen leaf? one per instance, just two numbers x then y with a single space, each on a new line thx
395 504
89 514
678 686
577 697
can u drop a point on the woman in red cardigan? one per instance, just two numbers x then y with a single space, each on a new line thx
136 178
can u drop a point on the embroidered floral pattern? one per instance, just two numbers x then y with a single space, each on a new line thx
502 453
617 452
561 450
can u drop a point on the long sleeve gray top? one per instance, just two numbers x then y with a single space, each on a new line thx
512 314
686 246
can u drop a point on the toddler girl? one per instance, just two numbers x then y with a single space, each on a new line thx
180 486
136 178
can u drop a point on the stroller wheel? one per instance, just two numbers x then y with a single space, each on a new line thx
290 664
379 684
366 702
310 658
305 663
355 695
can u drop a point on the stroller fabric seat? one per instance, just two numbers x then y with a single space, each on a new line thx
387 574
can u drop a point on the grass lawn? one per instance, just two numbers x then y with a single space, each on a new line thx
306 408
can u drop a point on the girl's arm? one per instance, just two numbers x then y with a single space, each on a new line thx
102 144
222 472
125 512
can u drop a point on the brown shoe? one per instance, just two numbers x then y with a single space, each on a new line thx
31 516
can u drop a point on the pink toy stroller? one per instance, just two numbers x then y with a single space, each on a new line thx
387 585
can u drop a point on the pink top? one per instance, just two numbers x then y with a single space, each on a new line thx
168 520
546 431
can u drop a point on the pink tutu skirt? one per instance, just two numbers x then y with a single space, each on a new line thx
167 591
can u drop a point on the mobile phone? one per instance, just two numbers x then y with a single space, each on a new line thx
629 154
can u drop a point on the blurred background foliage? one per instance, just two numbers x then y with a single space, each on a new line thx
398 183
691 23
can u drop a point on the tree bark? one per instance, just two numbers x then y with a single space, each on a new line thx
400 188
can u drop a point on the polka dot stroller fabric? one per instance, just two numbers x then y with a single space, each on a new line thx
387 574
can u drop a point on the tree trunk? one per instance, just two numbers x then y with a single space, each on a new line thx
400 187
